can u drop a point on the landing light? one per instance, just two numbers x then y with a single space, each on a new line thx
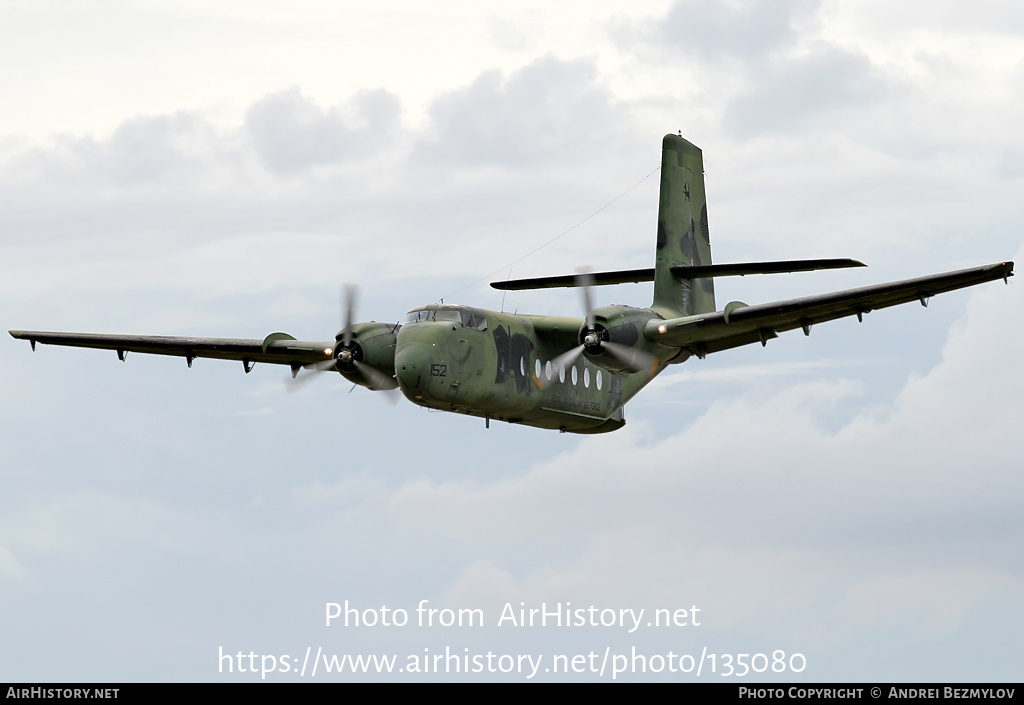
328 351
662 329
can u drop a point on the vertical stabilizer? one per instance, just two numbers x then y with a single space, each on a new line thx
682 231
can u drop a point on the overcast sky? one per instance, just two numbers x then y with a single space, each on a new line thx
220 169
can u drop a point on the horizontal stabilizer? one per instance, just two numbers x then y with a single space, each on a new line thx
742 269
632 276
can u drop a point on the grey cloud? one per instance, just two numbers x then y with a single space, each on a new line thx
788 93
287 132
540 113
141 151
180 177
291 133
726 30
757 62
152 148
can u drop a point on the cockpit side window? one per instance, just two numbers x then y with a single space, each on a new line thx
474 319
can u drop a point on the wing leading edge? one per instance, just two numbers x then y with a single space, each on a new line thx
276 348
739 324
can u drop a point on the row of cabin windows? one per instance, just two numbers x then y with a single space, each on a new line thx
550 373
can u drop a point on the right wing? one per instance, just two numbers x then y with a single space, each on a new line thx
276 348
740 324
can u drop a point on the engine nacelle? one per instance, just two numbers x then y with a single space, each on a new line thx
623 327
371 345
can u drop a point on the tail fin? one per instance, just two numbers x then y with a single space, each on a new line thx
682 231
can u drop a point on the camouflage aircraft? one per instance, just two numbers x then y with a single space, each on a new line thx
561 372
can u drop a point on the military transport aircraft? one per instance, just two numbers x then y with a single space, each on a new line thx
561 372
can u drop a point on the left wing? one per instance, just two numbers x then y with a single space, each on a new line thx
276 348
740 324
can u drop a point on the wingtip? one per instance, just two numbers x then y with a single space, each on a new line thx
1007 268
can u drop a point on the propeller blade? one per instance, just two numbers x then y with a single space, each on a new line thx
584 280
378 379
348 306
392 395
308 373
566 359
636 360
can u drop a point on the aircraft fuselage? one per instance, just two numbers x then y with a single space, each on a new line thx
496 366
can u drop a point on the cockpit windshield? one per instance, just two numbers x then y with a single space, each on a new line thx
468 317
448 315
423 315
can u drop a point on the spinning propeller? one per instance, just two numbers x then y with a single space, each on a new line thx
348 354
595 338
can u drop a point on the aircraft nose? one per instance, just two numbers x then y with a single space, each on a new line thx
412 367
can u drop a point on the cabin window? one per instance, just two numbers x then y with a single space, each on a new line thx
598 379
574 375
522 366
561 374
536 368
547 370
586 376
